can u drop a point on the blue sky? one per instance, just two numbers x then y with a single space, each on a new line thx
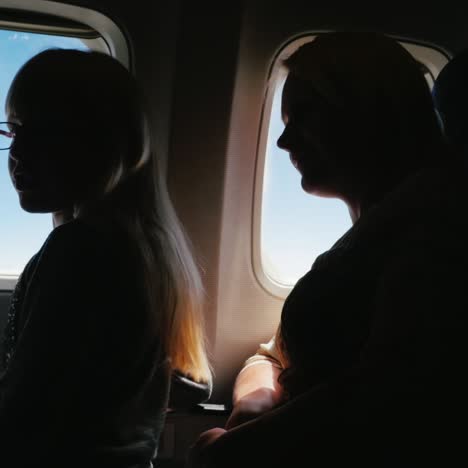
21 234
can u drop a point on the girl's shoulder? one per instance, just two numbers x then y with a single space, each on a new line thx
79 247
81 237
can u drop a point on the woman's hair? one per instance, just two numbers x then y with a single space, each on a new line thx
100 97
380 93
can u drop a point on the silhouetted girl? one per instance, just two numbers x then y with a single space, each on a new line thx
111 302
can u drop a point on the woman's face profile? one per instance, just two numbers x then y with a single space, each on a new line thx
310 137
44 159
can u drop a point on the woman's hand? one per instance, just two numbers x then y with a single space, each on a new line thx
253 405
199 454
256 391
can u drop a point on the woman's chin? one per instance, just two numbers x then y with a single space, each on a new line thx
310 187
317 190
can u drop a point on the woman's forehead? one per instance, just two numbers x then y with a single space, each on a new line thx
299 93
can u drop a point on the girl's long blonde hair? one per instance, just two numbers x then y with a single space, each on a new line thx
128 183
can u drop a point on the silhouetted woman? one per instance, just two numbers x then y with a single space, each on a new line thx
373 336
111 303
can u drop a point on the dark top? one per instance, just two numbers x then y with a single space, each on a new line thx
379 325
84 383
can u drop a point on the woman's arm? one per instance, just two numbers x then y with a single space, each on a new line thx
257 389
384 401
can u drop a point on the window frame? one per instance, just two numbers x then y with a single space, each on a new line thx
52 18
49 17
431 56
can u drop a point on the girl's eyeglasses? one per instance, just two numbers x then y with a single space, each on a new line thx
7 134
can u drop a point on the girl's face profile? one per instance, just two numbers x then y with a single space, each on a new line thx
74 123
44 160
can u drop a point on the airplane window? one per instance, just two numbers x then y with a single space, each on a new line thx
291 239
21 233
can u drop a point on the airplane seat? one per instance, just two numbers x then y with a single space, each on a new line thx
186 393
4 306
186 418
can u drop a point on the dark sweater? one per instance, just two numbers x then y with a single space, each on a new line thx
84 382
376 335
